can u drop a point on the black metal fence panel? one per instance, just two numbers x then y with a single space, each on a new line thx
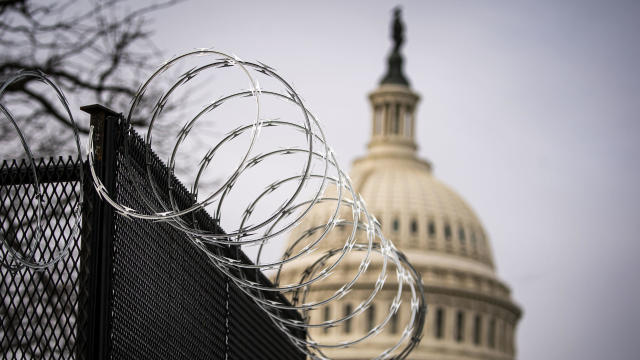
128 288
41 311
159 272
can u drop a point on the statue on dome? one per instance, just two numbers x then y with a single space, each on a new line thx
394 73
398 29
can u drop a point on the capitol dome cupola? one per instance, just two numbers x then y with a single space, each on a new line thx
394 104
471 313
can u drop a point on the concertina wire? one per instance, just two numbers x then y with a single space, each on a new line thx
311 245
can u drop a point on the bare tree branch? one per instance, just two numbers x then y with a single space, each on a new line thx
95 51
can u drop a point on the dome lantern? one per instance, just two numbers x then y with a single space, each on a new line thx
394 104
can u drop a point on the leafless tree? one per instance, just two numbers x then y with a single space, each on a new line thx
97 51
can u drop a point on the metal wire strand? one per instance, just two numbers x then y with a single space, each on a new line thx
15 259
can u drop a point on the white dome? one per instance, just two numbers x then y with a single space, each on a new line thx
471 313
419 212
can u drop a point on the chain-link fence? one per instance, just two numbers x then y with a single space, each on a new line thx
128 289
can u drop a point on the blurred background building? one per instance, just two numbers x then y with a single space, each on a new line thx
471 314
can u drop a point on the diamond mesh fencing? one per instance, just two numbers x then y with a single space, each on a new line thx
40 311
128 288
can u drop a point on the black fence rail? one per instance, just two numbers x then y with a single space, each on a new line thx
129 288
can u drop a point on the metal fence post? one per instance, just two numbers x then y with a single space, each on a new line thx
104 122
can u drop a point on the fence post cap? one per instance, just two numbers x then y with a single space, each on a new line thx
96 109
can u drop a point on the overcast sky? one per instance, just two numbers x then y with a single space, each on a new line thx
530 110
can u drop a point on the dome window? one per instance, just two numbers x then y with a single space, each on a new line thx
347 323
474 242
492 333
432 229
395 121
394 323
447 231
386 123
477 330
396 225
327 316
461 234
460 326
371 317
414 227
501 339
439 328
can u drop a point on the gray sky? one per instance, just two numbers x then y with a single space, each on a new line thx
529 110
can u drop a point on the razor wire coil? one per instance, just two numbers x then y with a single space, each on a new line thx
321 183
